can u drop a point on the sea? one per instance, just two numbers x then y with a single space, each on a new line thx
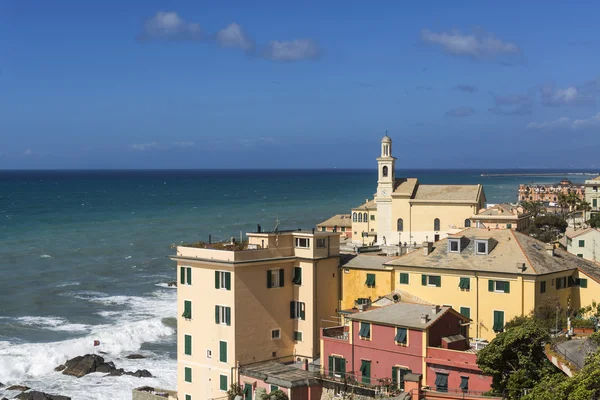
84 256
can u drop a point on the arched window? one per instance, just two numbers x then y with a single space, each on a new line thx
400 225
436 224
359 217
353 217
365 217
384 172
467 223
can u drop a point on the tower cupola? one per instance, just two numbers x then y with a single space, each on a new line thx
386 146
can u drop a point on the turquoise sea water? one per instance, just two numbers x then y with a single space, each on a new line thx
83 255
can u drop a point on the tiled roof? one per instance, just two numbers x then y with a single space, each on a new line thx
283 375
364 261
402 314
573 234
468 193
405 186
338 220
368 205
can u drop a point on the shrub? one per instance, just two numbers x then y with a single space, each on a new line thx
582 323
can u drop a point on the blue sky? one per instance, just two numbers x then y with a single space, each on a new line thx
312 84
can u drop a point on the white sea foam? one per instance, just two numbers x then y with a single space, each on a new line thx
165 285
128 257
45 256
53 323
65 284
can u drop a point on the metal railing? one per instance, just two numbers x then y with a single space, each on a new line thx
570 356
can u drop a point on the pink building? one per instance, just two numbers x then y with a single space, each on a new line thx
381 346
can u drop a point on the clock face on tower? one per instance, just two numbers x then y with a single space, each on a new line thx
384 192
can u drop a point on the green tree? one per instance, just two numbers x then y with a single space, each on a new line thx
277 395
515 359
535 208
595 220
235 389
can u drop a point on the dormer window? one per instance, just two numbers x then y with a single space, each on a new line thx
453 245
481 247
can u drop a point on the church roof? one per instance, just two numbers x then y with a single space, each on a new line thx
448 193
339 220
405 186
368 205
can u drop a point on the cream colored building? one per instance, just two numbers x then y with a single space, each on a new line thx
248 303
592 195
502 216
405 211
584 243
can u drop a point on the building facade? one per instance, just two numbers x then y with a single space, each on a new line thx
246 303
502 216
405 211
341 223
548 193
592 196
584 243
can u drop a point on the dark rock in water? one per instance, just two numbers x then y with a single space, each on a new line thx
106 367
60 368
83 365
34 395
1 384
140 373
20 388
171 284
145 389
134 356
116 372
102 352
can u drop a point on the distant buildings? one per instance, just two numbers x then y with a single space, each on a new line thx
502 216
341 223
584 243
592 196
405 211
548 193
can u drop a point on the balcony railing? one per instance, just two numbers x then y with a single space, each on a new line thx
354 379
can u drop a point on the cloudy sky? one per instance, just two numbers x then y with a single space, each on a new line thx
311 84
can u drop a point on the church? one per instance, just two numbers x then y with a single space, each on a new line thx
406 211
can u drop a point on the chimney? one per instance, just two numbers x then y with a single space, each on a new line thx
424 318
550 249
258 228
435 309
521 266
313 231
427 248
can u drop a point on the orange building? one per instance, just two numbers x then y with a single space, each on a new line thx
548 193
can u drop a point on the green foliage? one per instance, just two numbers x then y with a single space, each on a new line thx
547 227
516 321
235 389
515 359
277 395
582 323
535 208
594 338
545 316
595 221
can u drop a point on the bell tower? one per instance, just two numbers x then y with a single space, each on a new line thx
386 166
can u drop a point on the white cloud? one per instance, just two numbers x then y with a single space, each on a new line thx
184 144
562 121
478 45
294 50
581 123
234 36
169 25
28 152
568 123
570 96
144 146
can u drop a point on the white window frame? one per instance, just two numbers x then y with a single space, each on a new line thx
496 290
299 307
322 241
336 373
477 243
187 272
451 242
275 278
434 284
222 280
298 245
222 314
208 353
278 331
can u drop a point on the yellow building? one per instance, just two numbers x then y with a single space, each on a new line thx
365 278
405 211
246 303
492 276
502 216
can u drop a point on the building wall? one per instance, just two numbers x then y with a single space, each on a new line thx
456 364
583 297
354 287
548 193
591 246
326 298
259 384
592 192
447 325
359 227
515 224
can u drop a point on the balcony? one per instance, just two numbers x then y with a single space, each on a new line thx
336 332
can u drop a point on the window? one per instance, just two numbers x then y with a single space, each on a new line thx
431 280
372 217
467 223
594 203
247 391
466 311
297 310
401 336
365 370
223 383
569 241
223 280
297 279
508 226
595 188
436 224
188 397
398 374
582 243
188 374
187 309
359 217
275 278
323 229
297 336
337 366
208 354
185 275
274 388
365 217
353 217
464 383
481 246
223 351
543 287
404 278
582 282
188 345
498 321
303 243
400 225
384 171
275 334
365 330
499 286
453 246
321 243
561 283
464 284
580 255
362 300
370 282
441 382
223 315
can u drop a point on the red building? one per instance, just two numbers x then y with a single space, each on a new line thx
381 346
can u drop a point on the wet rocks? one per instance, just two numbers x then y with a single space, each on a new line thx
134 357
35 395
20 388
140 373
172 284
83 365
60 368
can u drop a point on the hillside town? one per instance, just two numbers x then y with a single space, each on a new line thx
421 292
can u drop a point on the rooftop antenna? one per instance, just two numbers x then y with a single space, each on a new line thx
276 229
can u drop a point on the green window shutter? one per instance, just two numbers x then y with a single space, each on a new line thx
582 243
302 312
508 226
466 311
394 376
223 351
438 281
217 315
404 278
292 309
274 388
228 280
217 283
269 281
594 203
343 367
188 345
330 365
182 275
281 278
187 309
498 321
506 287
189 275
223 382
367 374
491 285
297 279
228 316
188 374
424 280
583 283
367 330
188 397
247 391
